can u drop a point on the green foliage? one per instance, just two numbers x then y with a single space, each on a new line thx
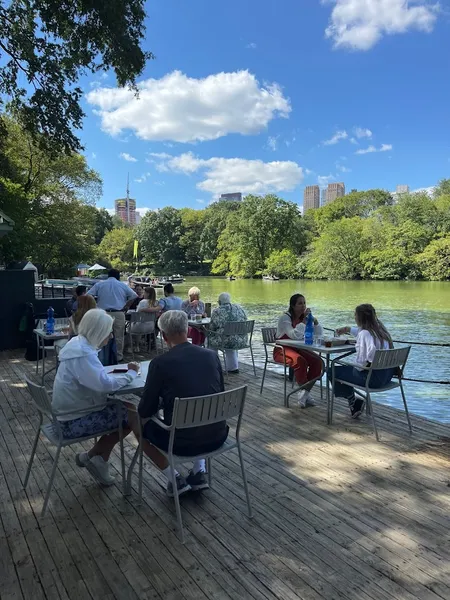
192 223
216 217
434 261
117 248
159 235
50 44
283 263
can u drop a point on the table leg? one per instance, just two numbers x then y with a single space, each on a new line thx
327 391
38 345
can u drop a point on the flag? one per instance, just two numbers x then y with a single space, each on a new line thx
135 249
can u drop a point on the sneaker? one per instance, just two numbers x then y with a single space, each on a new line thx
182 487
304 399
197 481
356 407
82 458
99 469
234 372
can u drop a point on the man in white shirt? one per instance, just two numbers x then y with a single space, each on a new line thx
115 297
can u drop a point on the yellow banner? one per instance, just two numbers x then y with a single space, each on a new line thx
135 249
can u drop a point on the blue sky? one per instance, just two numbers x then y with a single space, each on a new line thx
272 95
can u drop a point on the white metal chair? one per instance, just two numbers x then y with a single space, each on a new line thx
141 317
384 359
236 328
269 342
52 431
198 412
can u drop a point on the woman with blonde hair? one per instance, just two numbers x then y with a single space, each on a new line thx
84 304
194 306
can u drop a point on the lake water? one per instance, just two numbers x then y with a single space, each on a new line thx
414 311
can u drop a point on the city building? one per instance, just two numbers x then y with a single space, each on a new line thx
126 210
311 197
234 197
402 189
323 197
335 190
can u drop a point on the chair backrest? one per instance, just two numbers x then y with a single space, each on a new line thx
269 335
142 317
238 328
391 359
40 398
206 410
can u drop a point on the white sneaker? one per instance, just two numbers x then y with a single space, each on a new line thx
99 469
305 399
82 459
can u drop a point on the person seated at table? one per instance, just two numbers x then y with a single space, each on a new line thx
85 303
170 376
170 301
226 311
72 304
148 304
307 366
80 393
194 306
371 335
139 290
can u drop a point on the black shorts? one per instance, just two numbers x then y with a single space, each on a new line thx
159 437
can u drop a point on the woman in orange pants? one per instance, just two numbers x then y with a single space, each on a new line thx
307 366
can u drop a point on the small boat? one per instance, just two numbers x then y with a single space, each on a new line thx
271 278
231 278
175 279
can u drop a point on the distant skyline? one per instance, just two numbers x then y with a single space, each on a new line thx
277 100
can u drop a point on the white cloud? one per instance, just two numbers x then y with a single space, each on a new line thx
251 46
247 176
370 149
127 157
143 178
272 142
324 180
360 24
343 168
143 209
337 137
362 133
200 201
184 109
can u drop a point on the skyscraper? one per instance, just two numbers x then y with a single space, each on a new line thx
402 189
323 197
126 207
335 190
233 197
311 197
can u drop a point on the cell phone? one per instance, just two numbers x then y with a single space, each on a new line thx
124 370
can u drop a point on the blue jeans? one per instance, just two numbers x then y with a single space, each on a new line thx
341 390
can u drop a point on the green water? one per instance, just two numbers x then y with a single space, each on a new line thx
415 311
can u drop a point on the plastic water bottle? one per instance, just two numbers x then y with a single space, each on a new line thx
50 321
309 330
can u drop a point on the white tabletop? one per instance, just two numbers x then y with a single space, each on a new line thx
138 383
58 335
205 321
315 347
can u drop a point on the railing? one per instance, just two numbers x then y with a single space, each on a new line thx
45 290
435 344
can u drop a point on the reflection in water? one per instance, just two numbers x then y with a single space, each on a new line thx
416 311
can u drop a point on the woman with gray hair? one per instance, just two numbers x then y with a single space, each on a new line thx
80 393
227 311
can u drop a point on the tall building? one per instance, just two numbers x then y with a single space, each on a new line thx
323 197
234 197
126 210
335 190
311 197
402 189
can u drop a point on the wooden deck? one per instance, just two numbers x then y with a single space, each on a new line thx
336 514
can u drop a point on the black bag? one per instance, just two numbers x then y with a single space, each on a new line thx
108 354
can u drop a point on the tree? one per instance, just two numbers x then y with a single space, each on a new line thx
215 221
51 44
117 248
434 261
192 222
283 263
159 235
442 188
103 223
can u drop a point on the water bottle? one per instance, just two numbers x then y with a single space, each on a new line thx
50 321
309 330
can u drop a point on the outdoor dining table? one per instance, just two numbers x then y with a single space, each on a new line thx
42 337
320 349
199 323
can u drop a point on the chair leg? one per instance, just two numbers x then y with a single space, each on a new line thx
253 360
244 480
33 452
177 504
406 407
263 376
369 402
122 455
286 401
225 365
132 345
209 469
141 470
50 483
130 472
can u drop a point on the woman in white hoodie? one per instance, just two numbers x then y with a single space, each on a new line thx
80 393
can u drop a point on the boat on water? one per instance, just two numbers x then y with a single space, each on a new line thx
173 279
271 278
146 281
231 278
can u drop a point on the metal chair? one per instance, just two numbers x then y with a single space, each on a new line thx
52 431
141 317
198 412
269 341
234 328
383 359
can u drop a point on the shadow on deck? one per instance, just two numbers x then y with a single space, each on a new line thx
337 515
